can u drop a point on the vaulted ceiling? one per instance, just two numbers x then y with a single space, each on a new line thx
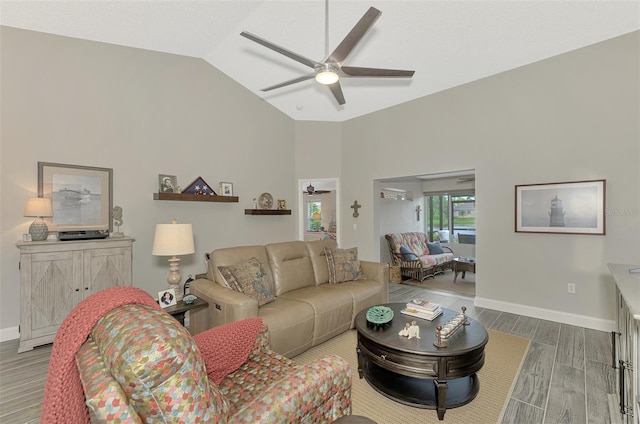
447 43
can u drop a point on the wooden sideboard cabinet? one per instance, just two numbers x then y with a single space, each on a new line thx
56 275
626 352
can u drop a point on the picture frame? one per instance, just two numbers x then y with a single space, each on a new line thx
168 184
226 189
576 207
81 196
167 297
282 204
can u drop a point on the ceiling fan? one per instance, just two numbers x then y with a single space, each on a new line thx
311 190
329 71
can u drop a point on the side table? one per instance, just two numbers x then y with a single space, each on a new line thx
181 308
462 265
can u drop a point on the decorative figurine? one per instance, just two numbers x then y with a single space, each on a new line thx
255 203
414 330
405 331
117 221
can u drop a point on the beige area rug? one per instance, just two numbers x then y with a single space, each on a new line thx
504 354
444 282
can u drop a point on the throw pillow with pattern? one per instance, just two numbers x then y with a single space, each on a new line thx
250 279
343 265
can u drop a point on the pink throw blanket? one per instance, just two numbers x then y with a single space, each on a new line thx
64 400
226 347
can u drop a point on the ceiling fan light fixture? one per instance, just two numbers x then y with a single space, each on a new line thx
327 75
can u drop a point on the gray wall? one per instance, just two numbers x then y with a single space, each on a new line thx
571 117
142 113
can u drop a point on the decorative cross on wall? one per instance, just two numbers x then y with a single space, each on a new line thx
355 208
418 209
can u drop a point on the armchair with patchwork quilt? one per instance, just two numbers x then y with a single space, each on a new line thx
119 358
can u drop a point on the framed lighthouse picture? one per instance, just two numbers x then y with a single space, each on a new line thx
561 208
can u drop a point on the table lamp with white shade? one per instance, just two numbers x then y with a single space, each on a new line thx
172 240
39 208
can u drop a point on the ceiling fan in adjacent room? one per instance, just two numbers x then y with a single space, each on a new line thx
312 190
329 71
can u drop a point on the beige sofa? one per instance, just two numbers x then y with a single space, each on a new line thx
307 310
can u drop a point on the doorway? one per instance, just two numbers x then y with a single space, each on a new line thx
319 204
440 205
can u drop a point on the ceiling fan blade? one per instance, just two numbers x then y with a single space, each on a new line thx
355 35
337 92
268 44
354 71
293 81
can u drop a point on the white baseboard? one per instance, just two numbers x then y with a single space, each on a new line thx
547 314
10 333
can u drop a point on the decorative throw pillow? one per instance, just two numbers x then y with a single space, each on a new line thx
249 278
408 254
343 265
435 248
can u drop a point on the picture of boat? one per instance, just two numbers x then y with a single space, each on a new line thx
75 197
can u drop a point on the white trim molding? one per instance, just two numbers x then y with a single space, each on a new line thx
547 314
10 333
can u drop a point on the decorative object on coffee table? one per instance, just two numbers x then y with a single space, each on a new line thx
379 315
39 208
173 240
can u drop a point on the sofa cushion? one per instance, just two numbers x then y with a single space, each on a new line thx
343 265
291 266
408 254
249 278
319 259
435 248
234 256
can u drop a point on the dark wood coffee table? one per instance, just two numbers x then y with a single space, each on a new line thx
414 371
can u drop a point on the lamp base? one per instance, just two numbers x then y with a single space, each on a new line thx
38 230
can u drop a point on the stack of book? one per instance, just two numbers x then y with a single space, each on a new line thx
422 309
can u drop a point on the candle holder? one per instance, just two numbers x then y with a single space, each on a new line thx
444 332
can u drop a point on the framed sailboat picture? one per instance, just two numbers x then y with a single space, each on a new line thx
82 196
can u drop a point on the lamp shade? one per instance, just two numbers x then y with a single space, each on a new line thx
173 239
39 207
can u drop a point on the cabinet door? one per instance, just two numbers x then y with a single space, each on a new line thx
104 268
51 284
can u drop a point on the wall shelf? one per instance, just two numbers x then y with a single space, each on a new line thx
267 211
194 197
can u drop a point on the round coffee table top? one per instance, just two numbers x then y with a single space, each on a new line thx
468 338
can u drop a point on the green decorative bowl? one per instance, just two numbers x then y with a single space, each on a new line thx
379 315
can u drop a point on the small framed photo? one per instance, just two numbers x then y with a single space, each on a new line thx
168 184
226 189
282 204
167 297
